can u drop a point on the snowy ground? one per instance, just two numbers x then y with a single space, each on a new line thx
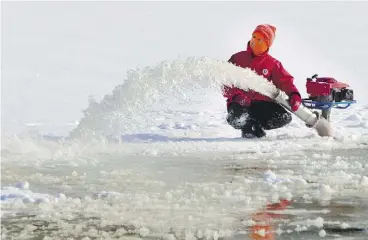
155 158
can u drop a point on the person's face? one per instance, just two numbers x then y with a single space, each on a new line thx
258 43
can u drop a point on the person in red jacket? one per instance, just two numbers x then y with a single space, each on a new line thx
251 111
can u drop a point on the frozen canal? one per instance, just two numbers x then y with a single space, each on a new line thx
169 190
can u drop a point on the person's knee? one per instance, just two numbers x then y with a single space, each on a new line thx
236 121
237 116
280 121
287 118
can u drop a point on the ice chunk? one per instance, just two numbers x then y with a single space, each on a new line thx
271 177
307 197
344 225
180 125
92 232
120 232
325 192
279 231
300 183
286 195
61 196
318 222
364 181
22 185
144 232
322 233
300 228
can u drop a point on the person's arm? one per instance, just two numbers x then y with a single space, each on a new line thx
231 60
284 81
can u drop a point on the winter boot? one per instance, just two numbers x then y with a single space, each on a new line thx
252 131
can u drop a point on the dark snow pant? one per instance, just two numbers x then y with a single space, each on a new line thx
259 116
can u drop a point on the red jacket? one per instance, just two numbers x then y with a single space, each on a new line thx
264 65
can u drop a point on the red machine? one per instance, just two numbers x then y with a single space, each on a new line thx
325 93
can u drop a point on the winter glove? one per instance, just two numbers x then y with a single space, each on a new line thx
295 100
243 100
